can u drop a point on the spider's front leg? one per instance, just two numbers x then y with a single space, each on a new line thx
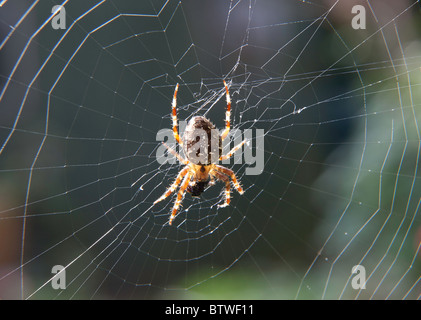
180 195
224 178
231 174
174 186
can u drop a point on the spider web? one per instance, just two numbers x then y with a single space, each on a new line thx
81 108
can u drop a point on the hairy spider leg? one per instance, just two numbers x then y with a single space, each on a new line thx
231 174
174 117
180 195
233 150
227 114
224 178
175 154
174 186
211 180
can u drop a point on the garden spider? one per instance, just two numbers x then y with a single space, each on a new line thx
195 175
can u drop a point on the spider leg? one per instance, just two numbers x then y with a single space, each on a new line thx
174 117
175 154
226 179
233 150
172 188
227 114
212 180
231 174
180 195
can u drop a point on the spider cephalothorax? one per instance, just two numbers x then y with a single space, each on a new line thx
196 188
202 146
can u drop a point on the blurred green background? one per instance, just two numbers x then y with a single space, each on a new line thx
81 108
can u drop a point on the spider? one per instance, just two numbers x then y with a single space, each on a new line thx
196 175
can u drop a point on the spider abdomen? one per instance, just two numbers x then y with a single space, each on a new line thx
202 143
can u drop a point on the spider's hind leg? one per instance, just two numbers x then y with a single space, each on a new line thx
174 117
233 150
227 114
175 154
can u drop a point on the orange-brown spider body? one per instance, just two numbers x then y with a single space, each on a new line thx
202 145
191 138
